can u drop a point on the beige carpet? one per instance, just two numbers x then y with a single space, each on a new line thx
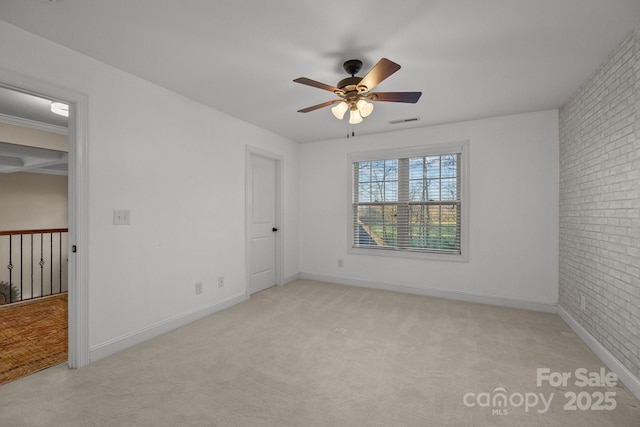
317 354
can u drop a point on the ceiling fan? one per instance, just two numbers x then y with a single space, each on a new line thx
354 93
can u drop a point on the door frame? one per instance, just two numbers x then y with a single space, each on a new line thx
278 159
78 197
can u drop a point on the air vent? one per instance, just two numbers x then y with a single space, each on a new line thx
412 119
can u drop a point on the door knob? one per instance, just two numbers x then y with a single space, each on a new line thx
274 229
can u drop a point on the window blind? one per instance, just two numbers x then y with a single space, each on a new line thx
408 203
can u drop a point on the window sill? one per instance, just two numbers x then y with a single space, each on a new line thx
397 253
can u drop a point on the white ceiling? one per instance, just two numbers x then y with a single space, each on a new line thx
470 58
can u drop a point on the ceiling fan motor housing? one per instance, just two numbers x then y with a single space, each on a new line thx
352 66
350 84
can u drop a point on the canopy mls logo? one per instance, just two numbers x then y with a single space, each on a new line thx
501 402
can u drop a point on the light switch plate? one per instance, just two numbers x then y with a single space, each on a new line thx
121 217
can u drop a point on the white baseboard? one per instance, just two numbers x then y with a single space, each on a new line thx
290 279
624 375
129 340
546 307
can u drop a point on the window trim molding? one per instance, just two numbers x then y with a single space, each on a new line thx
416 151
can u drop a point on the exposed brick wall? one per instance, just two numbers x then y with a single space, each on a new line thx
600 204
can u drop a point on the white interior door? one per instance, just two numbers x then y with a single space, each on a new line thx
262 223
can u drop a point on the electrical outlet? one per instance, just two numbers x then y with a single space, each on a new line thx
583 302
121 217
340 263
221 282
198 288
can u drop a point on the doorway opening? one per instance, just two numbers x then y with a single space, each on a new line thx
75 245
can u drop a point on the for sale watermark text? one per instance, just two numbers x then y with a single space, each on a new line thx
501 402
581 378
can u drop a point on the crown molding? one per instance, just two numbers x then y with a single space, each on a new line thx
18 121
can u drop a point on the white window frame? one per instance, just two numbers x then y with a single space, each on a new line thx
421 151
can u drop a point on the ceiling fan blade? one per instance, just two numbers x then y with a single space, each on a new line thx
317 107
383 69
309 82
411 97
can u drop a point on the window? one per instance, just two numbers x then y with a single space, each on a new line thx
409 202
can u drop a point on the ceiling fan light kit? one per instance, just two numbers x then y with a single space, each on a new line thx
339 109
355 92
365 108
355 117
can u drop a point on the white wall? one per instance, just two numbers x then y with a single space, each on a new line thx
32 201
178 166
513 218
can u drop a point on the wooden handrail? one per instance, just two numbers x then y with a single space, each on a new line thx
40 231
